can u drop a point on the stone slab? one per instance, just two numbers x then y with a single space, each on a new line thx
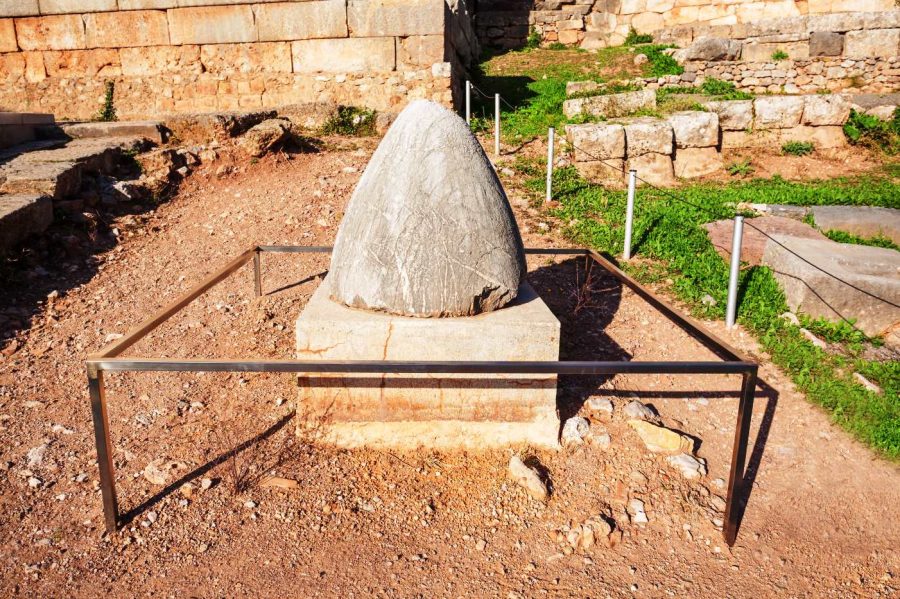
21 216
690 163
8 36
810 291
444 410
656 169
151 130
58 32
824 110
19 8
875 43
346 55
65 7
419 51
820 137
596 141
646 135
753 242
134 28
865 221
695 129
212 25
777 112
374 18
263 57
734 115
146 4
608 172
611 105
301 20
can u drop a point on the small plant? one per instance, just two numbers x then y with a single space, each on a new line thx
108 111
797 148
634 38
743 168
659 63
780 55
350 120
878 241
557 46
872 132
533 40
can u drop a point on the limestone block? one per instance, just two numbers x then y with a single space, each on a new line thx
630 7
647 135
656 169
419 51
19 8
143 62
58 32
821 137
344 55
8 36
568 37
762 52
301 20
865 221
72 64
872 44
125 29
812 292
734 115
445 409
695 129
610 172
777 112
611 105
647 22
826 43
21 216
697 162
65 7
146 4
711 48
12 67
212 25
263 57
831 109
596 141
372 18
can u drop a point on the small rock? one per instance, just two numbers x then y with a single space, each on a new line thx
636 410
638 515
34 482
527 478
600 406
151 516
602 440
81 477
265 136
867 383
639 477
813 339
717 503
575 430
36 455
689 466
708 300
480 545
719 483
159 471
659 439
250 504
206 483
279 482
640 59
791 318
187 490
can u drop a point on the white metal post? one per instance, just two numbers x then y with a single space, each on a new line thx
468 101
629 214
731 312
496 124
550 140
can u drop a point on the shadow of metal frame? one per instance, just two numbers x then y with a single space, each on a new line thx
108 360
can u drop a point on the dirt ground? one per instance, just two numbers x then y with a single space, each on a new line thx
822 516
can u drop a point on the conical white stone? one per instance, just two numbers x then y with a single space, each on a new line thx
428 230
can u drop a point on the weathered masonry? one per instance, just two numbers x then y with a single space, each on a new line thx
169 56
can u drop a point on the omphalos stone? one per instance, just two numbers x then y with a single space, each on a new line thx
428 231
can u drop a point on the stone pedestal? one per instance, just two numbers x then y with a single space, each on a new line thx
436 410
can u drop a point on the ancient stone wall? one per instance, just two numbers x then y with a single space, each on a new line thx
601 23
170 56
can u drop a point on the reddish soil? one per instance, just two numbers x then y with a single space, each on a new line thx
822 516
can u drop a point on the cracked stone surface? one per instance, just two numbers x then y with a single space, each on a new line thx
428 231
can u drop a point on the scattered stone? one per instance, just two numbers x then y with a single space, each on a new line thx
527 478
36 455
659 439
719 483
734 115
600 406
480 545
636 511
636 410
811 337
640 59
575 430
867 383
265 136
206 483
710 48
34 482
250 504
791 318
602 440
690 467
159 471
187 490
151 517
695 129
639 477
61 430
708 300
81 477
279 483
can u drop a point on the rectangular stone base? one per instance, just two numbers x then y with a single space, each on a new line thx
432 410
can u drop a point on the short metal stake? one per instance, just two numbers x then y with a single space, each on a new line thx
731 311
496 124
733 505
257 274
104 448
629 214
551 134
468 102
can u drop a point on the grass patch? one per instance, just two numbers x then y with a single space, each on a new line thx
633 38
660 64
670 234
797 148
780 55
350 120
872 132
879 241
718 89
742 168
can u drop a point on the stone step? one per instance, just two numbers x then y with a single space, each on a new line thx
152 130
21 127
21 216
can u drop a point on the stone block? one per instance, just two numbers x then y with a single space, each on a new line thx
58 32
568 37
809 290
263 57
8 36
826 43
125 29
609 172
611 105
711 48
212 25
821 137
874 43
830 109
374 18
734 115
596 141
756 52
697 162
151 130
344 55
70 64
648 22
301 20
67 7
147 4
21 216
19 8
777 112
647 135
418 51
143 62
446 410
656 169
695 129
864 221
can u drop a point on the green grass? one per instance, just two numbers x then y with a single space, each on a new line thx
742 168
350 120
877 241
633 38
872 132
797 148
718 89
780 55
670 234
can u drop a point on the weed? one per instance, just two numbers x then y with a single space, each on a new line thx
533 40
743 168
878 241
718 89
350 120
660 64
872 132
633 38
780 55
557 46
108 111
797 148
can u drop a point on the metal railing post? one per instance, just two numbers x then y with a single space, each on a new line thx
735 271
629 214
496 124
468 102
257 273
733 507
551 134
104 448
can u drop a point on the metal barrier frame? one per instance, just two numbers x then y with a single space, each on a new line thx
107 360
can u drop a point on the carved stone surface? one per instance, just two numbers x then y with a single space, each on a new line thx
428 231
